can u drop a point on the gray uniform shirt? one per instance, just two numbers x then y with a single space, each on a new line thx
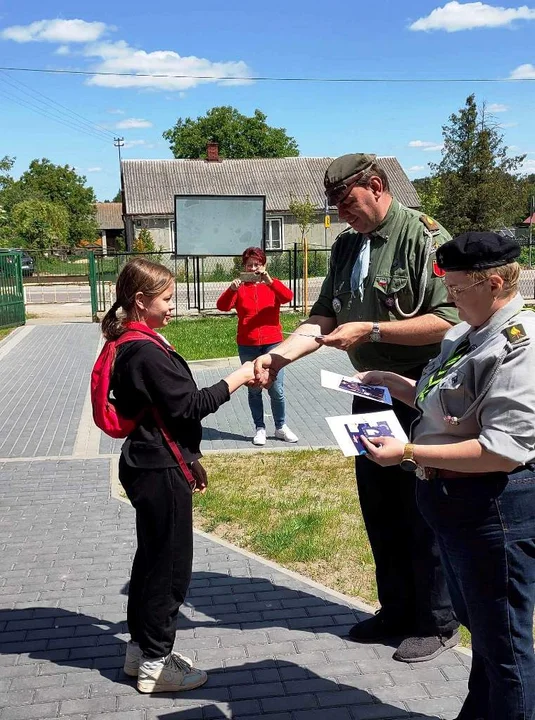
489 394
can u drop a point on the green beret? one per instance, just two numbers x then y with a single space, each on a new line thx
346 166
477 251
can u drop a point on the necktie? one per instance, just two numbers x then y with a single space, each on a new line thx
361 268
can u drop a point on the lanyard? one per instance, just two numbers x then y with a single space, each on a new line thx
437 376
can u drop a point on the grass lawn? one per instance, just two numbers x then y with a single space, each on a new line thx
4 332
297 508
213 337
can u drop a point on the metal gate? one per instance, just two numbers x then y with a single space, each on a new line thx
12 310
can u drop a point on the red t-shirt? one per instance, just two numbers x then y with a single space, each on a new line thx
258 309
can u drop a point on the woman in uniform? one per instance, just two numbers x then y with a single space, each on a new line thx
473 447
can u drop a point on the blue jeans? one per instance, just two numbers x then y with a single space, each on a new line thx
485 528
276 391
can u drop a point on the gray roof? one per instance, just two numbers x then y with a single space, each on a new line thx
109 216
150 185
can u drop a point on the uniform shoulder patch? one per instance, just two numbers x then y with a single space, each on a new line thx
429 223
515 333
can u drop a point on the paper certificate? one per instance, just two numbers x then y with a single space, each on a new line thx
348 429
351 385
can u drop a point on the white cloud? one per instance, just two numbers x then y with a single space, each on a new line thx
415 168
131 123
425 145
523 72
56 31
133 143
455 16
497 108
528 166
115 111
508 125
119 57
94 169
63 50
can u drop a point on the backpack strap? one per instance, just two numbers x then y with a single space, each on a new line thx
137 335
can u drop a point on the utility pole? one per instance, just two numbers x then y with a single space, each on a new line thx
119 143
531 213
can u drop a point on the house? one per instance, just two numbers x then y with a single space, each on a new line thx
110 222
149 187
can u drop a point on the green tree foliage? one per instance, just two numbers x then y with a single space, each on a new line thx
237 135
59 185
428 189
144 242
478 187
39 224
304 212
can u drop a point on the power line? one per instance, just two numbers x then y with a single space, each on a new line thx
40 111
268 78
49 102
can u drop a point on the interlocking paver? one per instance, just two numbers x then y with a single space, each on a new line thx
274 645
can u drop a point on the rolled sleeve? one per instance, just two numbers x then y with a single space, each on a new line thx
507 412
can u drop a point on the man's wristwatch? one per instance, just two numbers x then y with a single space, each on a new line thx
407 461
375 335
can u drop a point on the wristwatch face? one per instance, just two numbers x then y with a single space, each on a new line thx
375 335
408 465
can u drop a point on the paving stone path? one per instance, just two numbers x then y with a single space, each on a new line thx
273 642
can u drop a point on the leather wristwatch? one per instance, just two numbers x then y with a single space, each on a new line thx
408 462
375 335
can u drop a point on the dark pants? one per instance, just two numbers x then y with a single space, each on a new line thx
411 582
161 571
486 533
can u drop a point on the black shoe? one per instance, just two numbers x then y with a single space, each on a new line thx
420 649
375 629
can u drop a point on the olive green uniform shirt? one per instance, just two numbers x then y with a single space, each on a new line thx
399 265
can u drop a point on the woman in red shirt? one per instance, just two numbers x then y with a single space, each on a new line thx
259 331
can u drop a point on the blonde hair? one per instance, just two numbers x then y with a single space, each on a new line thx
138 275
509 273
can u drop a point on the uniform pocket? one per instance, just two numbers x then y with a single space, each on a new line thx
453 396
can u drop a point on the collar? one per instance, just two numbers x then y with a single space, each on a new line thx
500 318
141 327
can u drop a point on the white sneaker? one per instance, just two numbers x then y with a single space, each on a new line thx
260 437
132 659
284 433
170 674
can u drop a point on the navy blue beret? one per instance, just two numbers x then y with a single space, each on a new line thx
477 251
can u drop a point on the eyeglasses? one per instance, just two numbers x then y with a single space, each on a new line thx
455 290
337 194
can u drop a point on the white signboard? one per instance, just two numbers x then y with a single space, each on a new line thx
219 224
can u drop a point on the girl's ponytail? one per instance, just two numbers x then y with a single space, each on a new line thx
112 326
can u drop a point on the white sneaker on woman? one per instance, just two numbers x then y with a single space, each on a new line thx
260 437
132 659
284 433
169 674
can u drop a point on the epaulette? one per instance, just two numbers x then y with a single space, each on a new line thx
515 333
429 223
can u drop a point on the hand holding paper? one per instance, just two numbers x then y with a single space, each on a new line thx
354 386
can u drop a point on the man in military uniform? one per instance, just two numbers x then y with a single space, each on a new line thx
384 303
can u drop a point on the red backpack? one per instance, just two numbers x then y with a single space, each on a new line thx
105 414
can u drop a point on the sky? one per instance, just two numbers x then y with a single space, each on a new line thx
416 61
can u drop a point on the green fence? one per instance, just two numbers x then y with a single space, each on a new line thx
11 291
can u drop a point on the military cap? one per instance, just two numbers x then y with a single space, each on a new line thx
477 251
343 172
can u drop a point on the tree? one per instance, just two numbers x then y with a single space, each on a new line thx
237 135
117 198
478 188
428 189
6 163
59 185
39 224
304 212
144 242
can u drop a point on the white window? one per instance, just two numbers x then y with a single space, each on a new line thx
274 234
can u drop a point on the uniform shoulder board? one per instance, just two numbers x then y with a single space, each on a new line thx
515 333
429 223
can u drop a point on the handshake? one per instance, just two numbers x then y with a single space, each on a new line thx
262 372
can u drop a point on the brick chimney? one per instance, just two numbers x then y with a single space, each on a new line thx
212 152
